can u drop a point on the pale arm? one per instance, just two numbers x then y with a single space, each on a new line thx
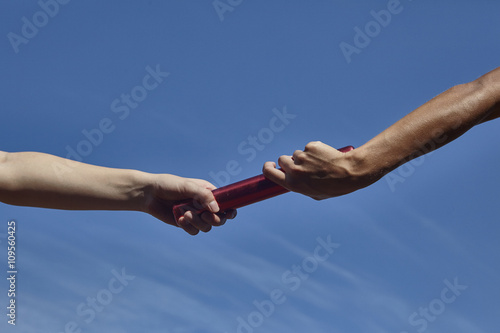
43 180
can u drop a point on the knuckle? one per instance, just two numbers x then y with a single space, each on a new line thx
313 145
299 156
283 159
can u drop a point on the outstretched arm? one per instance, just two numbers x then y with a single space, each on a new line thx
43 180
321 171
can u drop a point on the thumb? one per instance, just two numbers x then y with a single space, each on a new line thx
201 195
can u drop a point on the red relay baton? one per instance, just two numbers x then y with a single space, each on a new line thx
239 194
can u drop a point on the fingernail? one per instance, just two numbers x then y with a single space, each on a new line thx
213 206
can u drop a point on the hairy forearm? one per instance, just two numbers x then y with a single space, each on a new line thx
43 180
434 124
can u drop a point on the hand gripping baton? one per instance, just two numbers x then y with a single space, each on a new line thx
239 194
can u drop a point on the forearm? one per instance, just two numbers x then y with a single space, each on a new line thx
434 124
43 180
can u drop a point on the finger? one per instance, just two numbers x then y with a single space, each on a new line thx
320 147
286 162
215 220
315 146
298 156
219 218
196 222
231 214
184 224
270 172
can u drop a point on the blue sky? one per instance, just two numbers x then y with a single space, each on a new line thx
419 255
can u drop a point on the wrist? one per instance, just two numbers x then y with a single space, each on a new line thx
364 167
140 190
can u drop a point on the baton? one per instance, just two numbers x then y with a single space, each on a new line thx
239 194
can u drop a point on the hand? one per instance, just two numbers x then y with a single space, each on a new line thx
320 171
167 189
